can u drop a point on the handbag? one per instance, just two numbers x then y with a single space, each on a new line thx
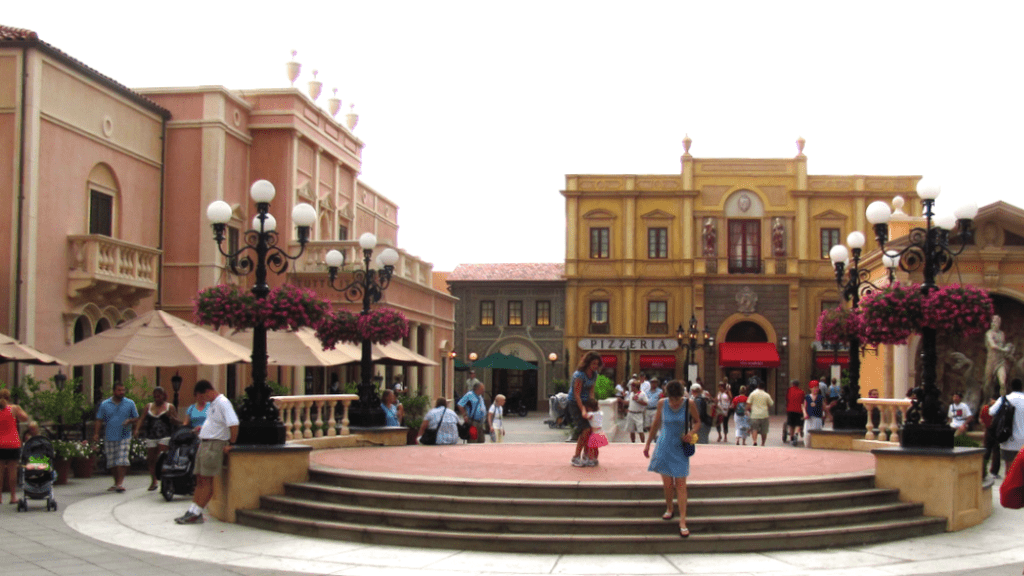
429 436
688 448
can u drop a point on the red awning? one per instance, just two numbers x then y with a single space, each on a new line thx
748 354
609 360
657 361
823 361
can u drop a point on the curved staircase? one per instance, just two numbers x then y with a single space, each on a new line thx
574 517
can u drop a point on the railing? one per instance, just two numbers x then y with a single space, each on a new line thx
746 266
888 424
312 260
303 416
96 259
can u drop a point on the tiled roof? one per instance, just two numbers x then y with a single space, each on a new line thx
520 272
10 36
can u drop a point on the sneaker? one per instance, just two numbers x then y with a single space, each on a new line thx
190 518
578 462
591 463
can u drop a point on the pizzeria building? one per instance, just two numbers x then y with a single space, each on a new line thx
729 255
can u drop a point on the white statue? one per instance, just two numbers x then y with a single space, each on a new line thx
999 356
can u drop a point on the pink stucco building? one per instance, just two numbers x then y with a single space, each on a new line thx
104 189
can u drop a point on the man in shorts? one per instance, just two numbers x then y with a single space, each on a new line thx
217 436
759 402
794 410
119 415
635 413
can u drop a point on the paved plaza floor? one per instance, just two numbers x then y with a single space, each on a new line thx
96 532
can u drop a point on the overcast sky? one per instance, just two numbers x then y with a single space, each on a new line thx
474 112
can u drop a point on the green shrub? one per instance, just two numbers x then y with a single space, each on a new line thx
559 385
603 387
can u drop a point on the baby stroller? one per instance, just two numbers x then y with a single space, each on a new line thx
177 465
36 458
558 410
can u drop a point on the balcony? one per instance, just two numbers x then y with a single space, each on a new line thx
111 269
312 263
745 266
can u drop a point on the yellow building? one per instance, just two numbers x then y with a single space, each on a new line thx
740 244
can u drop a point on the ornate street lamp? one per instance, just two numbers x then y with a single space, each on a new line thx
688 340
367 285
259 423
931 250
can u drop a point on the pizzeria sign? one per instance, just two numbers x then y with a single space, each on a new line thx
628 344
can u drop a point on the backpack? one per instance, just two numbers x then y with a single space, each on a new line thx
1003 424
702 409
741 409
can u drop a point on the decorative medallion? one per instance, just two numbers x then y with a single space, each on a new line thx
744 202
746 301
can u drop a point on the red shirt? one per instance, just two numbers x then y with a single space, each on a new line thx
794 399
8 430
736 401
985 417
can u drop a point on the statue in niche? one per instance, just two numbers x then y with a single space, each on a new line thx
998 357
778 238
709 238
746 301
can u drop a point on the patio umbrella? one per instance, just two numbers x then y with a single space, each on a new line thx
499 361
395 353
155 339
13 351
300 348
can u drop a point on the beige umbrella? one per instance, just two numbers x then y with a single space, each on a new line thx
13 351
155 339
395 353
300 348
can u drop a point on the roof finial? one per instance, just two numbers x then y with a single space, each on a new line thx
334 103
800 146
293 68
351 119
686 145
314 87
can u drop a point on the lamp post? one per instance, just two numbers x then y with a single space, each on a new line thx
929 249
368 286
688 340
444 377
258 418
176 385
852 282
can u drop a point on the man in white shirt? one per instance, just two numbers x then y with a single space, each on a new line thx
1011 447
635 413
959 414
759 402
216 438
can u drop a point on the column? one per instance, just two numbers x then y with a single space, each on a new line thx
412 375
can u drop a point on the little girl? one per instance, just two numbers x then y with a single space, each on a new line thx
495 419
597 437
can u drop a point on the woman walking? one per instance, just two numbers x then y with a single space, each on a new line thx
724 412
158 421
582 388
10 442
681 421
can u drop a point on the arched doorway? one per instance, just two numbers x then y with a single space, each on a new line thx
747 354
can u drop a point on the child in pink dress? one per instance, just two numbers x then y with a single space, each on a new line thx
597 437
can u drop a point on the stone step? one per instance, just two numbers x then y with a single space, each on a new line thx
585 505
667 542
486 520
584 490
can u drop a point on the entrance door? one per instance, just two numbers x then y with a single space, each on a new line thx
515 383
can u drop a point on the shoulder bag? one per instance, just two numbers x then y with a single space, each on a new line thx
688 448
430 434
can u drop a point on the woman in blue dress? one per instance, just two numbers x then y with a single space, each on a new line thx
393 411
669 459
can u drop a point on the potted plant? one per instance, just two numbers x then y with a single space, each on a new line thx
415 408
83 460
64 450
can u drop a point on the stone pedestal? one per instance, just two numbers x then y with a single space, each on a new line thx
835 439
947 481
252 471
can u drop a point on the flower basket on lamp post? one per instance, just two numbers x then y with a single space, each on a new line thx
891 314
958 308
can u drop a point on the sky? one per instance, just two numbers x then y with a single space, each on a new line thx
472 113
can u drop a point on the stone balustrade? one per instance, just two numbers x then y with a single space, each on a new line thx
888 425
100 264
408 266
303 416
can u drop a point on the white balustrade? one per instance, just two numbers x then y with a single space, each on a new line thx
888 424
303 416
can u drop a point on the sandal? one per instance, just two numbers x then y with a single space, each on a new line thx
119 489
684 532
112 489
152 487
667 515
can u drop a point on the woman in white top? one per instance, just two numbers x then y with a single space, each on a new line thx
722 416
494 419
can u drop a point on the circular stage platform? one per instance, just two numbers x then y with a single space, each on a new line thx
618 462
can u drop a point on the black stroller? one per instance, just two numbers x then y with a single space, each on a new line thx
37 466
177 465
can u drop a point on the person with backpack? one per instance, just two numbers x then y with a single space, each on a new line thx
1009 431
704 407
740 416
991 444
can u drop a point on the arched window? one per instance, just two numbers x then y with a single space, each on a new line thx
103 197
